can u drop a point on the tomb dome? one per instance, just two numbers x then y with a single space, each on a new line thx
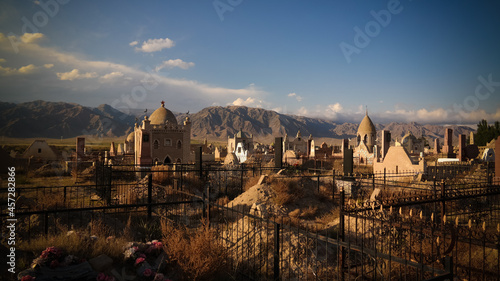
366 126
162 116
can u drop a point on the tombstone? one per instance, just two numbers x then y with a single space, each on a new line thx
348 162
344 146
198 154
386 143
80 148
437 149
112 151
461 148
120 150
375 153
497 160
278 152
471 138
448 143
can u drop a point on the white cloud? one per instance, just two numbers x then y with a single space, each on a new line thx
75 74
27 69
133 43
112 75
250 102
174 63
294 95
336 108
189 94
302 111
48 65
155 45
31 37
30 68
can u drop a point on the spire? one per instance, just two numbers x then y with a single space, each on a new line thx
366 110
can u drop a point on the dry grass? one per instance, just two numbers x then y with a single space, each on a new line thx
249 182
162 174
329 217
195 253
79 245
287 191
50 201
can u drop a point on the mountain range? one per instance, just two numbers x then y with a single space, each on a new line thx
59 119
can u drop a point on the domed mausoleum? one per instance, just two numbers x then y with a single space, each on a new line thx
366 138
160 139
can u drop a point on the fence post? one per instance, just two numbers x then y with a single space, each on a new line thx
65 194
318 183
443 197
373 181
488 173
448 266
181 178
276 251
333 184
241 178
150 195
342 234
384 177
46 222
208 206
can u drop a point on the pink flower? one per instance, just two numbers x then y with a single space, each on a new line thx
142 255
103 277
28 278
148 272
139 260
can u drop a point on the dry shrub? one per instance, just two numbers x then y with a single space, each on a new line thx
329 217
287 191
162 174
193 183
222 201
50 201
196 253
75 244
309 213
249 182
99 228
127 231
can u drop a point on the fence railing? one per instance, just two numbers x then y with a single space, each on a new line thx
431 233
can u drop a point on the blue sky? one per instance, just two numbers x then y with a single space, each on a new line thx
424 61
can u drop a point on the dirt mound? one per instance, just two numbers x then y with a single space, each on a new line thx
49 170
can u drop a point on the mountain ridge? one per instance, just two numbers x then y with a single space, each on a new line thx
216 123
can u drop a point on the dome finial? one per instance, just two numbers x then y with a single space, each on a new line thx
163 103
366 110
